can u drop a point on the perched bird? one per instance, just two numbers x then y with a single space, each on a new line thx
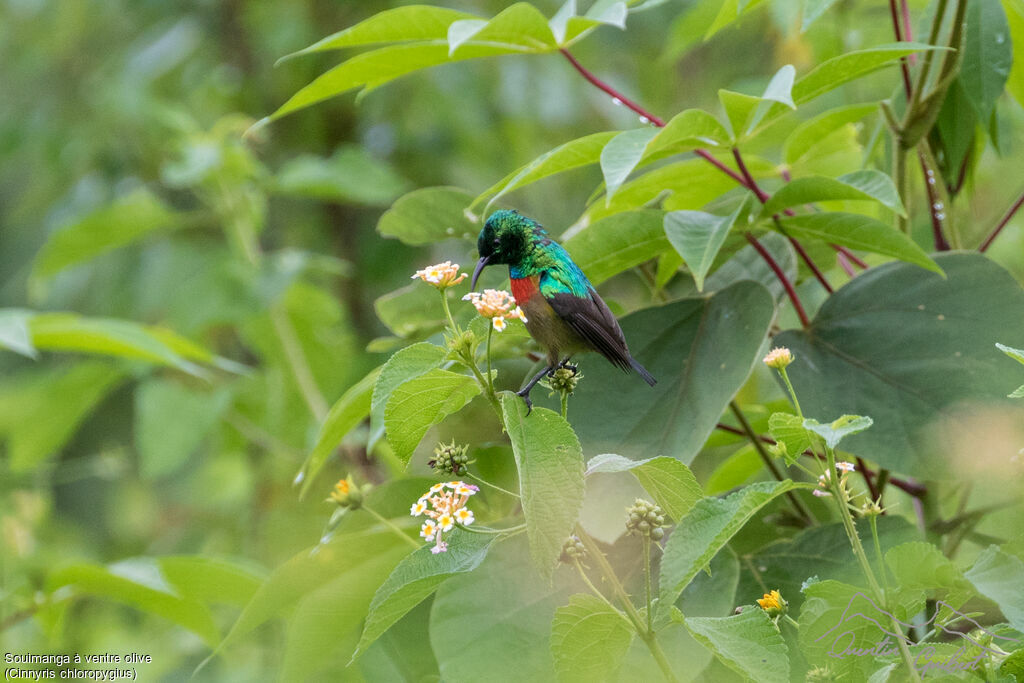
564 312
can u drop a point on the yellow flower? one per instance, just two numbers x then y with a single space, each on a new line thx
441 275
443 504
346 494
773 604
778 358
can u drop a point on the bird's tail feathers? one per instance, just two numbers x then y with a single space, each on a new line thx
642 371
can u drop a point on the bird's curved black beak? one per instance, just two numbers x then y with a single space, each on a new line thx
480 265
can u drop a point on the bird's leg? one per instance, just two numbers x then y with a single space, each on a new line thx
524 393
571 366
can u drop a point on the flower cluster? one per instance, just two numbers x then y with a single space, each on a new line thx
441 275
573 550
450 458
844 469
645 519
778 358
773 603
347 495
445 505
565 379
496 304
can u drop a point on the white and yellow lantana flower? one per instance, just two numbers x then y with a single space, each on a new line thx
496 304
445 506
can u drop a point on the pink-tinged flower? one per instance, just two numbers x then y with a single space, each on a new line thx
441 547
496 304
821 494
778 358
441 275
444 505
845 466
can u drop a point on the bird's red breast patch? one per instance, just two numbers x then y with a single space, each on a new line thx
524 288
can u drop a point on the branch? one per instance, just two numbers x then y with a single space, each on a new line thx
616 95
781 276
904 65
1002 224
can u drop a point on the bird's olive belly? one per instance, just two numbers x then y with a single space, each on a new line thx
550 331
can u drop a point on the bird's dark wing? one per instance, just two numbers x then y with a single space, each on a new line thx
590 317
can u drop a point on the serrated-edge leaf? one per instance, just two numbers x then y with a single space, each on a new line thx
347 412
858 232
417 405
589 639
551 485
999 576
416 577
406 364
747 643
836 431
669 481
788 430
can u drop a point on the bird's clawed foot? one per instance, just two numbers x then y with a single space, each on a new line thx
525 395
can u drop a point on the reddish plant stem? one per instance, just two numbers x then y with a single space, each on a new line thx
1002 223
811 264
786 284
908 28
601 85
904 64
844 263
910 488
761 195
868 477
935 209
857 261
706 156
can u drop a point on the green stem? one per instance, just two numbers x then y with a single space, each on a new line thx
490 377
489 530
493 486
565 405
392 526
647 583
448 313
792 393
873 520
792 621
591 586
484 387
900 178
929 56
299 365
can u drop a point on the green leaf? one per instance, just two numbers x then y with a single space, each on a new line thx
140 583
568 27
813 9
14 331
477 615
730 11
690 128
858 232
589 639
621 155
809 133
670 482
417 576
706 529
922 566
42 413
171 421
110 337
698 237
701 350
859 185
519 28
126 220
938 355
347 412
420 403
999 576
834 72
617 243
1015 19
573 154
550 464
406 364
1017 354
987 55
747 643
747 264
789 430
212 579
350 176
429 215
412 23
842 427
780 87
739 109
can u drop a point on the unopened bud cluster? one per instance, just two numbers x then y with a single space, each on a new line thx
565 379
450 458
645 519
347 494
573 550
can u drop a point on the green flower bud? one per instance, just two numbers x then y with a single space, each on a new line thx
565 379
572 550
645 519
450 458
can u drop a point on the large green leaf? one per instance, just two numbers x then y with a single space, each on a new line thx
212 579
128 219
859 185
589 639
621 155
809 133
706 529
701 351
40 413
908 347
568 27
550 464
834 72
494 623
573 154
747 643
402 24
417 576
519 28
140 583
698 237
670 482
987 55
429 215
347 412
171 421
420 403
617 243
999 576
406 364
857 232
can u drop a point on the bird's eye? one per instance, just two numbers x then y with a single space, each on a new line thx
497 242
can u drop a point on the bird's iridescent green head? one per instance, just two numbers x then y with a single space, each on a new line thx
508 237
